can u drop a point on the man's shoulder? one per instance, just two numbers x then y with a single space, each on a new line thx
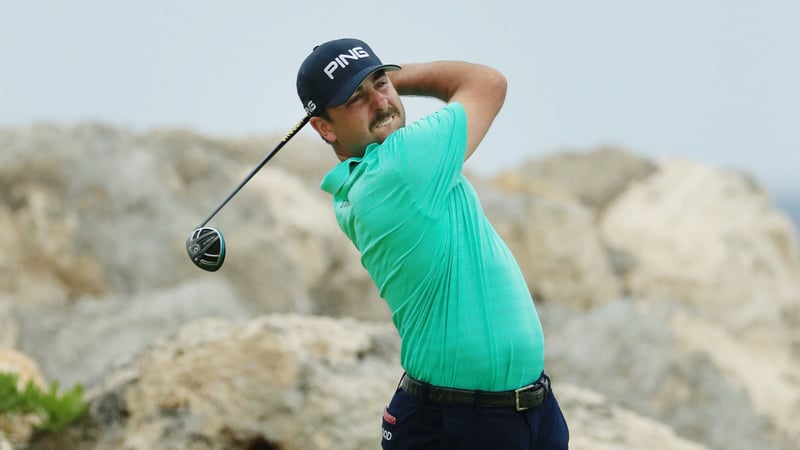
442 121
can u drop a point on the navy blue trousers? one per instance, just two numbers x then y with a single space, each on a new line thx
412 423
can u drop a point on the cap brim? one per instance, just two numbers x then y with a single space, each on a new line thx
352 84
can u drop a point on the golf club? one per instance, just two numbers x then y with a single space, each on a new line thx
205 245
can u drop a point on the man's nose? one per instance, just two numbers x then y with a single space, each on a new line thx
379 100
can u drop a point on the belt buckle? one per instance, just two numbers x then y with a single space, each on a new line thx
516 396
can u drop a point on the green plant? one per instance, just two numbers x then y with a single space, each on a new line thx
54 410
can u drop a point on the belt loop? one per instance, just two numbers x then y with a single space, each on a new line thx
400 383
546 383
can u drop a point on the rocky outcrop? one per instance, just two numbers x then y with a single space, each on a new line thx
713 241
668 292
597 424
82 343
593 178
557 246
290 382
275 382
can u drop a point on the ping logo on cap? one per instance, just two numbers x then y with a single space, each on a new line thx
341 61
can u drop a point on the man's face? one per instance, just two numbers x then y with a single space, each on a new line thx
371 114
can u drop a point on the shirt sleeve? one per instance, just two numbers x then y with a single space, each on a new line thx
429 154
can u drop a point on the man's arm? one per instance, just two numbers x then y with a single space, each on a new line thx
480 89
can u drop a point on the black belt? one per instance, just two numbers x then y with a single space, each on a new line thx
529 396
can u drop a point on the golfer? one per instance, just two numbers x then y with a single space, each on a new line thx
472 343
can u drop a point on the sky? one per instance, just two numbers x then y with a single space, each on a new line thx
715 81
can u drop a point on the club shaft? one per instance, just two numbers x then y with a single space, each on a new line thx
255 170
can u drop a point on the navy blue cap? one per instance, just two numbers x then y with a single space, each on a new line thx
333 71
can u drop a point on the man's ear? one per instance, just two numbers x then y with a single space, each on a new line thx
323 128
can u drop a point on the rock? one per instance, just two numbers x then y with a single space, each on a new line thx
557 247
291 382
85 228
9 330
773 390
307 157
713 241
81 343
646 359
12 361
283 381
594 178
546 209
300 245
597 424
667 288
37 229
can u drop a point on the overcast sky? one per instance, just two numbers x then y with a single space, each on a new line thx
715 81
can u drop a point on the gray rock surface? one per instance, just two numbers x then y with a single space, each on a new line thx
669 292
290 382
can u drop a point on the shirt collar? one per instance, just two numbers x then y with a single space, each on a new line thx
336 178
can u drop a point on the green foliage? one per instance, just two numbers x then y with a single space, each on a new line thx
56 411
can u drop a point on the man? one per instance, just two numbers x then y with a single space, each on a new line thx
472 344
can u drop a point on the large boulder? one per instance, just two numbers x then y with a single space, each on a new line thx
94 220
773 390
596 423
556 244
84 341
280 381
291 382
686 374
43 265
594 178
713 241
661 287
87 207
546 211
94 210
299 243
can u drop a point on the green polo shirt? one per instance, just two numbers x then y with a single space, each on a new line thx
457 295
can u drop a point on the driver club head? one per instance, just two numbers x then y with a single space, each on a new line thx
206 248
